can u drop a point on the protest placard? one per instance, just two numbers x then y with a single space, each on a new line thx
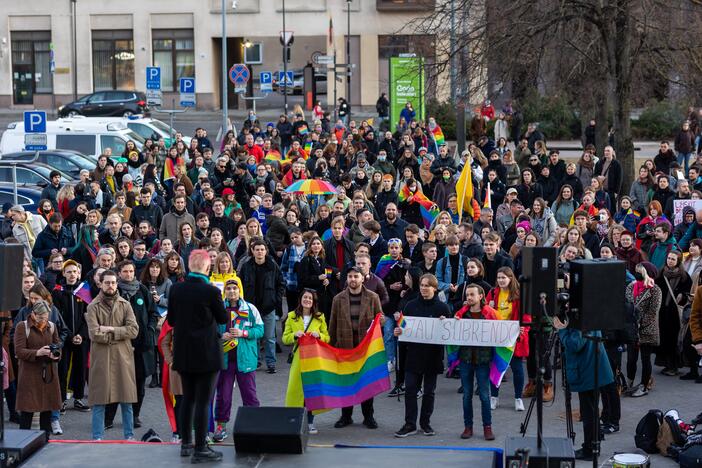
460 332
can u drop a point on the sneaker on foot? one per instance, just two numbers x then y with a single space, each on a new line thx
311 429
494 402
397 391
639 392
343 422
428 430
405 431
518 404
220 432
370 423
80 406
175 439
420 393
204 456
609 428
56 428
271 369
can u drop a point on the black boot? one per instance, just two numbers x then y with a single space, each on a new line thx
205 456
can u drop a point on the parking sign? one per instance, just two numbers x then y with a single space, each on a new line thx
153 78
266 81
187 92
35 130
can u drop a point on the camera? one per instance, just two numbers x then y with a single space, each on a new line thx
55 350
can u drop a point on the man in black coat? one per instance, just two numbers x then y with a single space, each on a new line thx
610 168
338 252
494 258
195 310
393 227
221 221
263 282
423 362
146 316
146 210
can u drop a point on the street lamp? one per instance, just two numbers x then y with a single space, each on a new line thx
348 56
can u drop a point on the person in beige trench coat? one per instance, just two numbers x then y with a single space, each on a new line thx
111 327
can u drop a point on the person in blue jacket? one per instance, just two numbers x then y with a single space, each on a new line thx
693 232
55 238
580 371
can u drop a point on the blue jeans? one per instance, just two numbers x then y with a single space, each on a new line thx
389 338
481 373
684 157
517 366
269 322
99 420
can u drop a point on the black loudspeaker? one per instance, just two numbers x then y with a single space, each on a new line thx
270 429
597 290
539 276
555 452
11 262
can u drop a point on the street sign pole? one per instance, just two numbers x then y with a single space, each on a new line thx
225 104
285 65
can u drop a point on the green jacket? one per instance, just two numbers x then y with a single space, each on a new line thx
247 348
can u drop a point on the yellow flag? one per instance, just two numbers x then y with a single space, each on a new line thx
464 191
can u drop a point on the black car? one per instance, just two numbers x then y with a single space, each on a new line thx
34 174
70 162
106 103
27 196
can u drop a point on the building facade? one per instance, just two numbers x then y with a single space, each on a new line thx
54 50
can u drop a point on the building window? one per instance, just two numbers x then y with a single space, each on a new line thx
174 52
31 72
405 5
113 60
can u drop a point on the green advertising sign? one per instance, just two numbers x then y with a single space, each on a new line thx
406 85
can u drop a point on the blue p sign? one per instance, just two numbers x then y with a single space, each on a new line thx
187 85
35 122
153 78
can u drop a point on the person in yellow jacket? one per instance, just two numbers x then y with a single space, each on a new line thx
223 271
306 318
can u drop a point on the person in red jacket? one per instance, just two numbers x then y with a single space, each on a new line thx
254 150
505 300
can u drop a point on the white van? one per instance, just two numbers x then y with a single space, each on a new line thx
87 137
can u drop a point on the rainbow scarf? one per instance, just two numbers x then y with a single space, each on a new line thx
337 378
438 136
385 264
428 209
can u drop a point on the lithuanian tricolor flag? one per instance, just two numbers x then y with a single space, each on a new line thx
336 378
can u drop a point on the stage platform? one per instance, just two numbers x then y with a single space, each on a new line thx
121 455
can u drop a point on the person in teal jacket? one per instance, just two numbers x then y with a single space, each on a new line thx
240 344
665 242
580 372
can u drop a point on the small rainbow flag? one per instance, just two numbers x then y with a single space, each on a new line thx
452 357
438 136
303 130
428 216
83 292
274 155
169 169
328 271
328 233
500 362
242 314
385 264
308 146
337 378
401 322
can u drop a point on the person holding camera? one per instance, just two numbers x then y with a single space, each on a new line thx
580 354
38 351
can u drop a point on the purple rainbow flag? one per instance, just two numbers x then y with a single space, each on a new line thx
83 292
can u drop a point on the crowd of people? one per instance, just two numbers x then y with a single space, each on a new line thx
105 257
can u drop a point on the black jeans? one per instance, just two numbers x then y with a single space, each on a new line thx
587 415
44 420
632 357
73 359
401 359
366 409
198 389
111 409
412 384
611 405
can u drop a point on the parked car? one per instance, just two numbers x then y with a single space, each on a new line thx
27 196
70 162
30 174
87 136
299 83
146 127
106 103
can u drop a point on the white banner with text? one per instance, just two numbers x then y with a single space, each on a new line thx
466 332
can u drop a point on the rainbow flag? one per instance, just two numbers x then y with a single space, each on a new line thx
328 233
452 358
303 130
438 136
428 209
83 292
168 169
385 264
336 378
274 155
328 271
500 362
243 314
401 322
428 216
308 147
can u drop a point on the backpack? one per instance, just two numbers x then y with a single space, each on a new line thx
669 434
647 429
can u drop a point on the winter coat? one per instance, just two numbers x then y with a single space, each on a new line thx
632 256
151 213
693 232
171 223
548 232
112 378
580 354
648 304
576 184
36 224
629 219
146 316
247 348
425 358
663 161
639 196
196 309
175 384
696 317
277 233
340 327
48 240
659 252
614 175
521 347
273 285
34 395
564 211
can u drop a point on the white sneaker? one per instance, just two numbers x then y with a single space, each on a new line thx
311 429
56 428
175 439
518 404
391 366
494 402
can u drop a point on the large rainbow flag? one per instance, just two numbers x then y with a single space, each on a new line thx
385 264
438 136
336 378
428 209
274 155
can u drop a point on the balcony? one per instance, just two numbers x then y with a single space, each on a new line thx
405 5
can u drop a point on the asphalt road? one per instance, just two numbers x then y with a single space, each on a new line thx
669 392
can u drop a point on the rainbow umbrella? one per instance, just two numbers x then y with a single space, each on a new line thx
311 187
